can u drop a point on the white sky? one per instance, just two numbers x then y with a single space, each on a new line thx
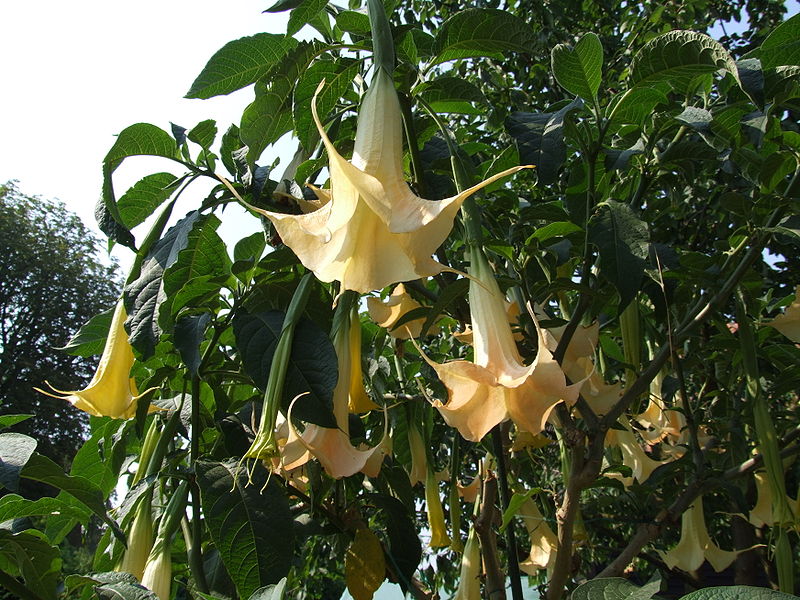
77 73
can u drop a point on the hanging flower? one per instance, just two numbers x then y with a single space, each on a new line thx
158 572
788 323
696 545
469 580
497 385
633 455
397 305
112 391
544 542
433 505
371 230
140 540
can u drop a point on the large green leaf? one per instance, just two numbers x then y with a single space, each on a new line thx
677 58
13 506
30 556
16 450
782 46
204 258
313 369
452 94
240 63
338 76
737 592
270 115
248 517
144 296
478 32
141 139
189 334
638 103
579 70
10 420
303 13
623 241
87 493
147 194
123 590
91 337
613 588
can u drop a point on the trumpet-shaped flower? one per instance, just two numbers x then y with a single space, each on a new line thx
696 545
788 323
544 542
112 391
371 230
433 505
140 540
332 446
633 455
497 385
387 314
158 572
469 580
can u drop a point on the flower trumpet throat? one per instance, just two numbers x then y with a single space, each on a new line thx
498 385
112 391
371 230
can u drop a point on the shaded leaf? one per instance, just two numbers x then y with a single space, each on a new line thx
29 555
737 592
312 363
303 13
249 521
91 337
364 565
189 334
16 450
782 46
144 296
622 240
144 197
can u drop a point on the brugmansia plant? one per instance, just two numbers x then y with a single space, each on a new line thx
523 315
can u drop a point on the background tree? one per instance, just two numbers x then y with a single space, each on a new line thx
52 281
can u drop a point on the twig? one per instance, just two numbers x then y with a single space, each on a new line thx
484 528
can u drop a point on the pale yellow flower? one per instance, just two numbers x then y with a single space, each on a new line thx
371 230
158 572
544 542
140 540
112 391
433 505
788 323
469 580
387 314
696 545
497 385
633 455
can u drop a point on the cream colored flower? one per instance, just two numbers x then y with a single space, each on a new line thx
497 385
140 540
371 230
469 580
387 314
112 391
788 323
696 545
158 572
633 455
544 542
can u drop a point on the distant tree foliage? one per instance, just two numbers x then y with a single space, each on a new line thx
52 281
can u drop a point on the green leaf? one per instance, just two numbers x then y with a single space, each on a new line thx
189 334
517 500
123 590
13 506
610 588
248 517
42 469
144 197
9 420
93 460
16 450
695 117
91 337
580 69
623 241
447 296
313 367
402 547
143 297
540 139
737 592
231 142
140 139
477 32
270 592
451 94
637 104
29 555
677 58
303 13
351 21
782 46
203 258
270 115
204 133
553 230
239 63
282 5
338 78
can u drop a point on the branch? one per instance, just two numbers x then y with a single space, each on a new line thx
484 528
